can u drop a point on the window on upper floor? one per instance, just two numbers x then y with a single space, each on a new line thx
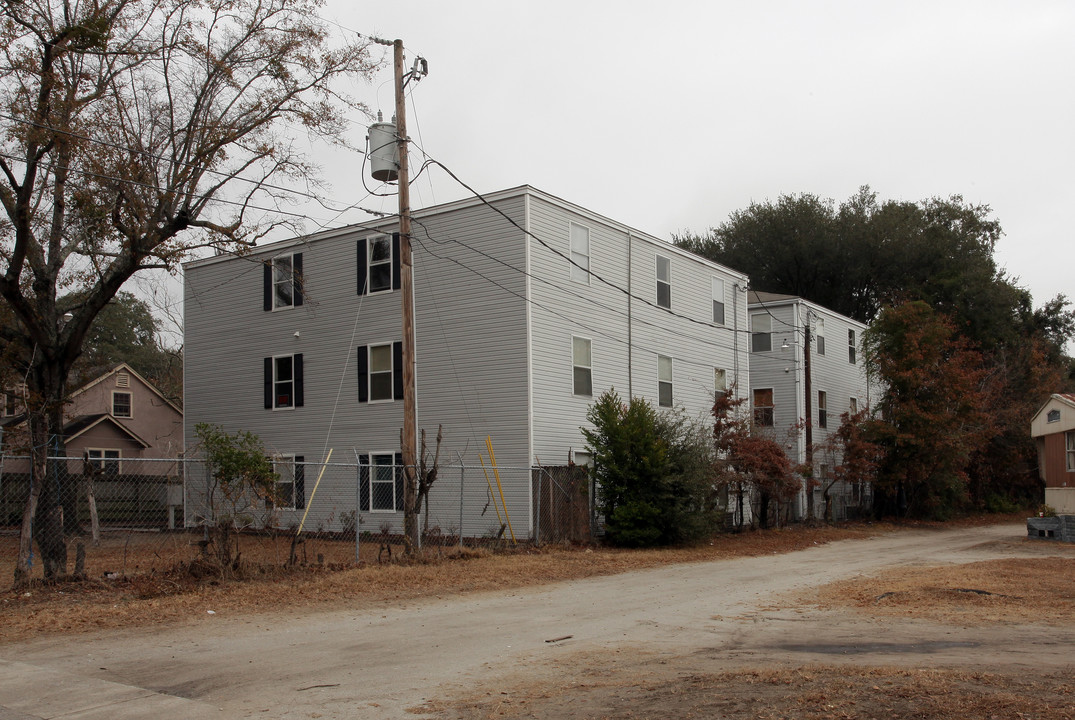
581 366
378 264
718 301
822 409
761 332
763 407
819 330
283 282
664 282
380 482
290 487
121 404
106 461
380 372
580 253
664 381
851 346
1053 416
283 382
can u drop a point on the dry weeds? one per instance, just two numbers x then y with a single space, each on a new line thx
810 693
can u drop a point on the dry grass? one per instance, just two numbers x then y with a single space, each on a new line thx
1002 591
810 693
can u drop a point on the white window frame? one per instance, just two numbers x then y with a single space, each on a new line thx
371 242
665 379
102 458
822 409
130 404
853 405
381 373
276 382
819 333
1069 440
278 281
665 282
374 481
719 297
852 347
754 406
756 334
580 256
720 381
286 461
577 366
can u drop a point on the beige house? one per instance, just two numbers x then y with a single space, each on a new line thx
1053 430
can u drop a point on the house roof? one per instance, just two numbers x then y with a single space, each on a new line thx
83 423
755 296
124 367
486 199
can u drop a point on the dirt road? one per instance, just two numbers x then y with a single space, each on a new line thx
411 660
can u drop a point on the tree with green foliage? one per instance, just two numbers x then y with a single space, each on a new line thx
932 414
136 133
652 473
127 331
240 488
864 255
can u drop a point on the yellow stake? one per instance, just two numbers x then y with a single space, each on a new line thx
310 502
491 495
496 473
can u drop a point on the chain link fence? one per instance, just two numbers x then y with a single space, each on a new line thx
138 515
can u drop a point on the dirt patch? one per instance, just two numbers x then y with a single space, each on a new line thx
849 670
809 693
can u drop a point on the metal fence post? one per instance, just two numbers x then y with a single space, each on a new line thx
462 472
358 516
537 521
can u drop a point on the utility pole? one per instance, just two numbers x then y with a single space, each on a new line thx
410 421
808 384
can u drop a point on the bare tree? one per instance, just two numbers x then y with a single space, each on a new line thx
135 132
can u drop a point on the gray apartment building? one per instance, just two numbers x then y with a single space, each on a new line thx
527 307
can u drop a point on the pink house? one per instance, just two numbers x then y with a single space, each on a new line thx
118 416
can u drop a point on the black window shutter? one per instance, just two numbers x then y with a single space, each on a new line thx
268 383
363 374
362 273
300 482
296 278
399 481
298 379
267 274
364 483
396 282
397 370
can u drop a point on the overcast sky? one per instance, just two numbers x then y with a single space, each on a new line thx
668 116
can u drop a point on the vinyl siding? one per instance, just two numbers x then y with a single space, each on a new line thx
470 348
562 309
831 373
